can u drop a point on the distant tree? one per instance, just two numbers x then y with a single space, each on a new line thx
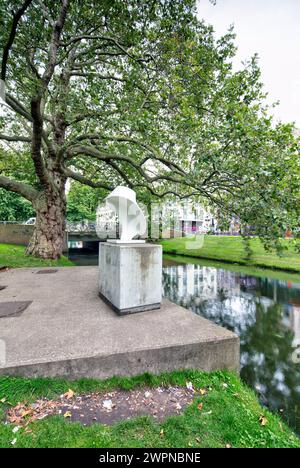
82 202
14 207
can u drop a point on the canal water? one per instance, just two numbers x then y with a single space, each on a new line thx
264 312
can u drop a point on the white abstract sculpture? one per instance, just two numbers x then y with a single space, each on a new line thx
132 221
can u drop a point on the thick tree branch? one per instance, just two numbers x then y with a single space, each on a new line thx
108 158
14 138
155 154
80 178
36 102
16 18
15 105
36 144
58 26
21 188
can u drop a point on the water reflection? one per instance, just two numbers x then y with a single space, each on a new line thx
264 312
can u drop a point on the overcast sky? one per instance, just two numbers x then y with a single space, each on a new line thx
272 29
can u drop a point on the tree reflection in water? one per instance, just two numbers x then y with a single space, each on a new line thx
264 312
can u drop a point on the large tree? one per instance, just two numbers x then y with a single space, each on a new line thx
138 93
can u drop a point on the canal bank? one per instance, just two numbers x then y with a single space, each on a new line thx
262 306
263 311
231 249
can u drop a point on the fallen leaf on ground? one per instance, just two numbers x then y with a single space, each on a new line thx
3 400
69 394
162 403
108 404
228 446
280 425
263 420
189 386
13 441
202 391
200 406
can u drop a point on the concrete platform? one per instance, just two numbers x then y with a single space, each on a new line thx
68 331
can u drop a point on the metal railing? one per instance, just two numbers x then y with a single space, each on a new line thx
81 226
11 222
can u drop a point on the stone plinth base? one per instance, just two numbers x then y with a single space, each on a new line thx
130 276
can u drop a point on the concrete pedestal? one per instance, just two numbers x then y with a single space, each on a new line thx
130 276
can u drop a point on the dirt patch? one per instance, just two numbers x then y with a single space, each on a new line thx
106 408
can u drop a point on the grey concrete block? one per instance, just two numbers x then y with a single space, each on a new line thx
130 276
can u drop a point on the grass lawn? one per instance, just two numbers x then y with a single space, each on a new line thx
231 249
13 256
230 415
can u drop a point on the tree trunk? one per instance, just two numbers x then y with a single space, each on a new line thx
48 238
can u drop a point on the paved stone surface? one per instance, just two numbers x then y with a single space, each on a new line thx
69 331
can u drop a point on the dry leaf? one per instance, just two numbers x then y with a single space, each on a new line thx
3 400
67 414
69 394
189 386
108 404
202 391
200 406
280 425
263 420
13 441
228 446
162 432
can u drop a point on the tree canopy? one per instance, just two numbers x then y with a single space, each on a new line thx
140 94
